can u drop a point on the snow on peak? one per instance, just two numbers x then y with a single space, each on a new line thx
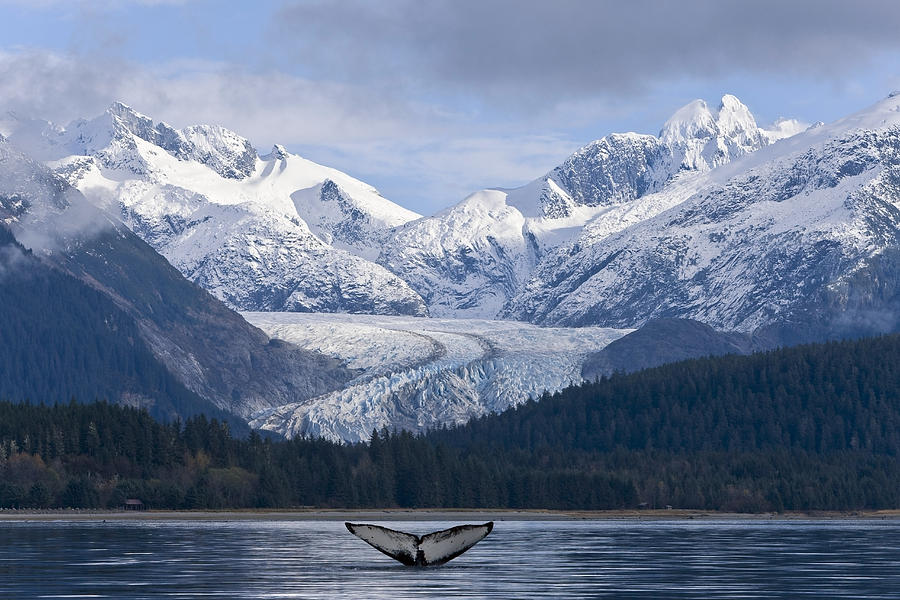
705 139
278 153
734 119
277 232
885 113
221 149
111 138
603 177
693 120
882 115
125 112
126 120
732 103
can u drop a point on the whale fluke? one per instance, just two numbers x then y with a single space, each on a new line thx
421 551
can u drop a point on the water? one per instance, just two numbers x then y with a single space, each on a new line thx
520 559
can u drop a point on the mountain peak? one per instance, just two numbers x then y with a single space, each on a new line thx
707 139
695 121
133 120
731 102
278 152
734 119
691 121
126 119
119 107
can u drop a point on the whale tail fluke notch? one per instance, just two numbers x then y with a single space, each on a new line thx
422 551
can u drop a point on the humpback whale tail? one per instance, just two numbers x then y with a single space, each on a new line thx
421 551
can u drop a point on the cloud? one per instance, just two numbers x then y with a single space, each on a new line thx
532 54
435 174
432 100
269 107
428 156
46 214
11 258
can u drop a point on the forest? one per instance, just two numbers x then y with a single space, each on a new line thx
60 338
814 427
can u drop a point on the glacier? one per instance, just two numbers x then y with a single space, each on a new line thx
422 373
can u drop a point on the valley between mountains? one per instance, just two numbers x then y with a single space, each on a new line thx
715 236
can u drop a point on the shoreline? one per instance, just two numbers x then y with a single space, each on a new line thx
312 514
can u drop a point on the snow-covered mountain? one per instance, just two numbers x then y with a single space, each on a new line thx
471 259
788 233
273 232
277 232
803 232
207 348
465 261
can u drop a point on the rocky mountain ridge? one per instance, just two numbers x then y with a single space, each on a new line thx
278 232
229 219
774 237
475 257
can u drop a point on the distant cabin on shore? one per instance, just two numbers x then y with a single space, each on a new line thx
134 504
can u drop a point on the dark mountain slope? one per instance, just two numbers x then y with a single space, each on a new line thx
663 341
60 339
208 348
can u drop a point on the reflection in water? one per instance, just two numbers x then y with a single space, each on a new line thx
520 559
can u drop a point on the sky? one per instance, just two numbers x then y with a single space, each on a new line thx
430 101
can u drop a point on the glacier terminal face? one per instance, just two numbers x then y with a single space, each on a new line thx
421 373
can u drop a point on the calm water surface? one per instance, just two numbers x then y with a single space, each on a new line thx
520 559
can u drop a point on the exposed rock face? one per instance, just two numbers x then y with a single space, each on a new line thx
223 151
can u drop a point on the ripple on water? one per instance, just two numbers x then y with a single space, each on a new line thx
520 559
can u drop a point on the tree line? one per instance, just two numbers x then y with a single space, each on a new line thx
808 428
